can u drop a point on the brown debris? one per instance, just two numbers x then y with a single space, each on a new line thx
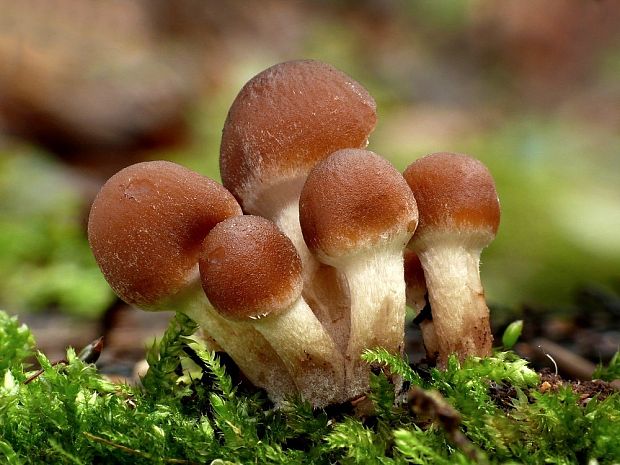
587 390
503 395
432 407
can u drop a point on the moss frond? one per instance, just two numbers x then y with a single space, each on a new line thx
610 372
393 363
16 344
71 414
164 358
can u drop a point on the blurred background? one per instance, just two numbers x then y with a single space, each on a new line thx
531 88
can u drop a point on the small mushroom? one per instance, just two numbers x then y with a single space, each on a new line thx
416 293
459 216
357 214
145 229
251 272
285 120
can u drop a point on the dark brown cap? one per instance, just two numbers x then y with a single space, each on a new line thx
249 268
355 199
146 227
285 120
453 192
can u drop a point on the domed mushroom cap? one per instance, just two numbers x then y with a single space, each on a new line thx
286 119
453 191
146 226
249 268
355 199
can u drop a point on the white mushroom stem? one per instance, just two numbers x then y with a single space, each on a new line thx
285 214
254 356
460 313
377 291
308 352
416 292
324 290
429 338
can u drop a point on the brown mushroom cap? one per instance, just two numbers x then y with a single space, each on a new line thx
146 226
249 268
453 191
355 199
285 120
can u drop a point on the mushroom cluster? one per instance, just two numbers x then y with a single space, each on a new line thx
312 248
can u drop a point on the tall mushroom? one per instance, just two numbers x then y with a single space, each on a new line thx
251 272
285 120
459 216
357 214
145 229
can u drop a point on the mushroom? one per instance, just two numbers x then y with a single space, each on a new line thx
357 214
145 229
285 120
459 216
251 272
416 293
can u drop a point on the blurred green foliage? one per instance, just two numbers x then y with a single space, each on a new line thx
446 77
560 199
44 256
558 185
556 181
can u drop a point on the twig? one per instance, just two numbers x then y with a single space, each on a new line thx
131 451
42 370
89 354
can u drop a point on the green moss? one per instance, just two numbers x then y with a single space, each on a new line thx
609 372
71 414
45 260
